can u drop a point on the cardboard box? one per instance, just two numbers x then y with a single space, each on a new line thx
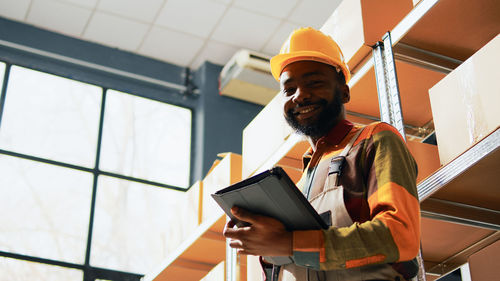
192 207
483 265
227 172
216 274
264 135
268 140
358 24
465 103
183 226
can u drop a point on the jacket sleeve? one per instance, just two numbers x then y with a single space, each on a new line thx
393 232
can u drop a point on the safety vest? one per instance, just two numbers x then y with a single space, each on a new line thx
331 199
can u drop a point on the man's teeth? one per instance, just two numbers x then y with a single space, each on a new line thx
303 111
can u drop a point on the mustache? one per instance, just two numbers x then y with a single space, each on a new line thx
293 110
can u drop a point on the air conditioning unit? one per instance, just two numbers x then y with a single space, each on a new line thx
247 76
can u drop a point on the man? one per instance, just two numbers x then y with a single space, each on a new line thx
362 179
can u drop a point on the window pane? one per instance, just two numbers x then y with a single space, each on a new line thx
46 209
136 226
51 117
19 270
146 139
2 72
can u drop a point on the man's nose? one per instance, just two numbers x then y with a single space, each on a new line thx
301 95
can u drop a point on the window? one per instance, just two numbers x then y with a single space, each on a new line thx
146 139
48 209
80 163
51 117
124 210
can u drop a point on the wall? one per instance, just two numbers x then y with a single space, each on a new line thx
221 119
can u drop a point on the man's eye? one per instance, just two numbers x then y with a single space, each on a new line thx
289 91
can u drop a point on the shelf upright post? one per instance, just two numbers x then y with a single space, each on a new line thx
389 102
231 264
387 84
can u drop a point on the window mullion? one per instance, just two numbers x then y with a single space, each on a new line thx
94 186
3 91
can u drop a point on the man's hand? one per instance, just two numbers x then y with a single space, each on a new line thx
264 237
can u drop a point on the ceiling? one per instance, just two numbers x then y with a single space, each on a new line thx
182 32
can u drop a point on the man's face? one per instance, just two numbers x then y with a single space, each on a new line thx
314 97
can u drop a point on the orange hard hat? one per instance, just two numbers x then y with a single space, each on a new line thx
308 44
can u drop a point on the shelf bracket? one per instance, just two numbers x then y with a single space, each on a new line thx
460 213
425 59
387 84
459 165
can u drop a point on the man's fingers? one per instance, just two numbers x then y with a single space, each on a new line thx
233 243
229 232
244 215
246 252
264 236
236 232
231 223
240 248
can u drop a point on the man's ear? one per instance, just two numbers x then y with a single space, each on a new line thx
346 93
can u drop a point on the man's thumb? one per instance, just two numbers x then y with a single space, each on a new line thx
243 215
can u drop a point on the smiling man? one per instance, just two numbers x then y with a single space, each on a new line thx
362 180
313 100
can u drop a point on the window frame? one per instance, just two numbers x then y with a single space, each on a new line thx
104 80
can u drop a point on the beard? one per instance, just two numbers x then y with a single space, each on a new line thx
327 118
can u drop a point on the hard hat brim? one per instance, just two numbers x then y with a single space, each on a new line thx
279 62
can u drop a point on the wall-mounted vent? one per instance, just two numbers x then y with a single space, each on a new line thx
247 76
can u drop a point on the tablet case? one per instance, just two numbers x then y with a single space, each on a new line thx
271 193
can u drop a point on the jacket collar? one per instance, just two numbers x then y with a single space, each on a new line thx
334 137
337 133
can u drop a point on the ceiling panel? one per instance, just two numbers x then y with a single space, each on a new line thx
171 46
82 3
15 10
274 8
115 31
226 2
274 45
245 29
197 17
62 17
144 10
182 32
314 14
215 52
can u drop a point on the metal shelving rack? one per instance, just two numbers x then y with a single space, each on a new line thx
463 196
403 53
458 197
